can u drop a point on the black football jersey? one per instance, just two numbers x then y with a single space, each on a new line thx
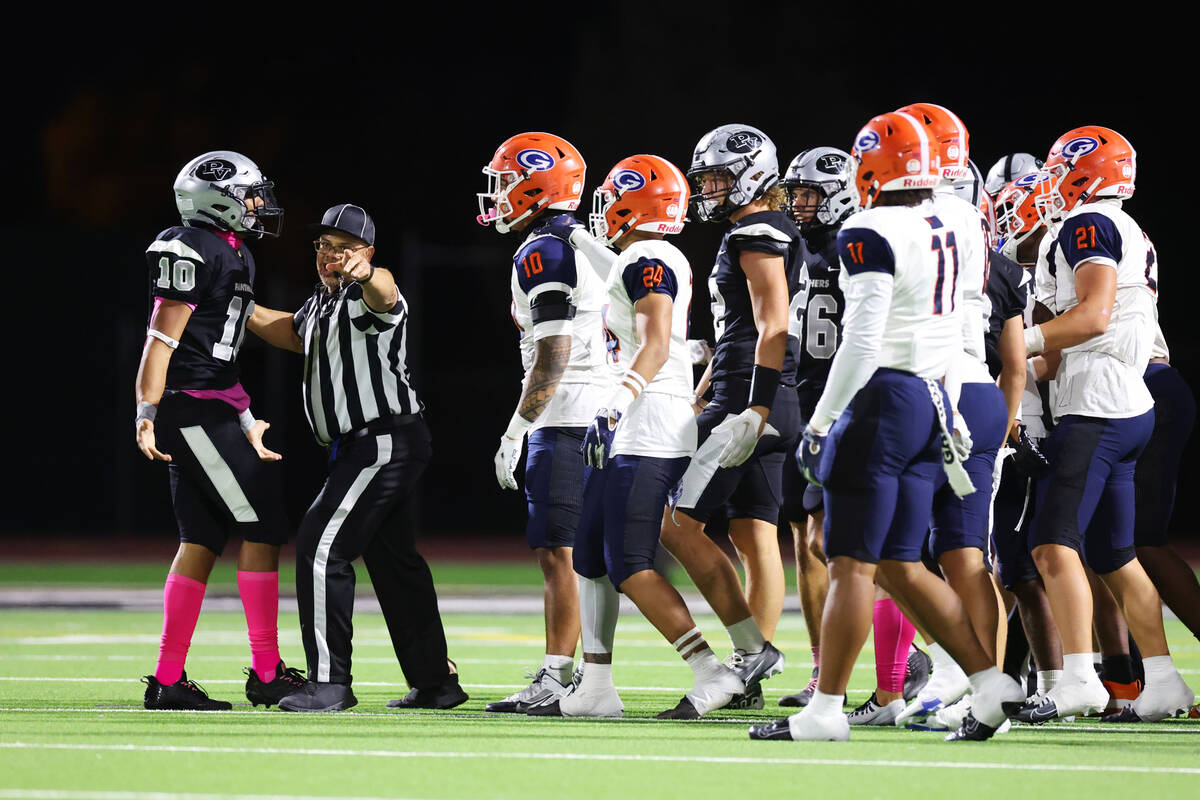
1006 292
771 232
817 309
199 267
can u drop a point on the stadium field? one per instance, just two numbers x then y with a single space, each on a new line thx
72 726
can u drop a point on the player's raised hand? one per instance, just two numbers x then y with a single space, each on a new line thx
255 437
146 442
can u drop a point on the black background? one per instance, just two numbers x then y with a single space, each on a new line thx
399 116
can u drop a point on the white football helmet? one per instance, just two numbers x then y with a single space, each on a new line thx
1008 169
227 190
823 169
741 158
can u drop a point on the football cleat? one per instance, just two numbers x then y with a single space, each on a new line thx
316 696
953 716
1032 712
872 713
583 701
268 693
183 695
752 699
545 687
802 697
755 667
1165 699
1075 698
777 730
805 726
989 702
916 673
1120 695
946 685
1126 714
441 697
683 710
972 730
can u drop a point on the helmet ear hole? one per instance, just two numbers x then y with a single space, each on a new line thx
623 212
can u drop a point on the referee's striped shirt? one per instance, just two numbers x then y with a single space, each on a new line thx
355 368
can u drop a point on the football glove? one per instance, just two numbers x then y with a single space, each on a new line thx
597 442
743 435
809 453
961 437
1028 458
506 461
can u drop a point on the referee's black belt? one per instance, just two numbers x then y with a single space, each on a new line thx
380 425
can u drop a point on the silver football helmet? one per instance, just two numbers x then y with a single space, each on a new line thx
227 190
821 168
970 188
1008 169
739 165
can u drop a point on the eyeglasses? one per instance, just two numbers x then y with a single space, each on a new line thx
322 244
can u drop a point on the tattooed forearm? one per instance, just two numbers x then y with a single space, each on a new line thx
549 362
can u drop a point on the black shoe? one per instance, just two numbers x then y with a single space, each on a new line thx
286 681
755 667
685 710
804 696
1126 714
972 730
545 710
447 695
183 695
772 730
315 696
752 699
1032 713
916 673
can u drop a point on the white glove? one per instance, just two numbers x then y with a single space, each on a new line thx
743 435
506 462
701 352
961 437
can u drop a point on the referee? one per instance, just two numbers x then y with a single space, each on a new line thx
361 406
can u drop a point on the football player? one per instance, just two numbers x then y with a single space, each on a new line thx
640 441
746 431
1007 169
882 460
193 413
534 181
819 199
1096 278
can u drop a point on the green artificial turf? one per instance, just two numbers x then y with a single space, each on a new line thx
71 725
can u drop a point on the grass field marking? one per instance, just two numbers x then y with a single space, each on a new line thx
73 794
618 757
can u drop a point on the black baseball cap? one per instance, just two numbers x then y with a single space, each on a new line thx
349 219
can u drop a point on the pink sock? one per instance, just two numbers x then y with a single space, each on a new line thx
893 636
182 597
260 599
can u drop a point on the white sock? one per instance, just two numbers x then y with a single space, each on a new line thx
746 636
596 675
1047 678
825 704
1159 669
984 676
599 605
561 666
1078 667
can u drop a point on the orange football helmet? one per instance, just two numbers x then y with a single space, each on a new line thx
892 152
1016 212
950 135
530 172
1086 164
641 193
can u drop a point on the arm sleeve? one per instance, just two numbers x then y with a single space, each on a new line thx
868 298
1090 237
648 275
546 272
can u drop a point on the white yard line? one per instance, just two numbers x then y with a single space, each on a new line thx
605 757
73 794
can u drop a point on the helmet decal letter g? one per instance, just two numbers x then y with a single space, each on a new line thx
533 159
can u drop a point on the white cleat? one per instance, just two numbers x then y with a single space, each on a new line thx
1071 698
592 701
716 692
989 703
1161 700
945 687
808 726
951 717
544 688
872 713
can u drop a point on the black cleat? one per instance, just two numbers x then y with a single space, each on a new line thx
755 667
315 696
441 697
752 699
916 673
804 696
183 695
778 729
1126 714
1032 714
972 730
545 710
685 710
286 681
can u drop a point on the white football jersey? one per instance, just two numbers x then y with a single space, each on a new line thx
660 422
1102 377
556 292
968 251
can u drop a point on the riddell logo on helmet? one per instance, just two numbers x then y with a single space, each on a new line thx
534 159
919 182
670 227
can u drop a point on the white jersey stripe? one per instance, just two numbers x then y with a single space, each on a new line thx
222 477
175 247
383 445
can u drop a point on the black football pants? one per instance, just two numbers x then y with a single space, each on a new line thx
362 510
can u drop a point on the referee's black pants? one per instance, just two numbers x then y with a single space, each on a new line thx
363 510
